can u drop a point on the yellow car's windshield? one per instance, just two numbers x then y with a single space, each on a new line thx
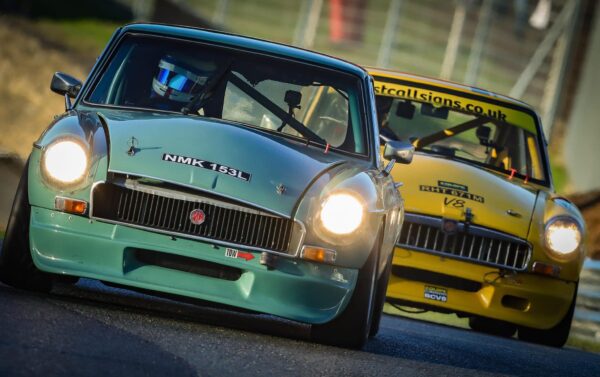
477 136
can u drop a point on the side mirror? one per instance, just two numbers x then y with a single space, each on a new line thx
400 151
64 84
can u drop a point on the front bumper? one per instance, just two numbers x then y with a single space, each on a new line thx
295 289
523 299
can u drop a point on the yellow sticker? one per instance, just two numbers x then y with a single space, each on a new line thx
439 99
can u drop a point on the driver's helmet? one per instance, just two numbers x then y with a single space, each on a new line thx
177 80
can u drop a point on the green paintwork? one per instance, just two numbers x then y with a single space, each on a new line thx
219 142
77 246
295 289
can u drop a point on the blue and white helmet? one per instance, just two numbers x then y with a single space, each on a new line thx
178 81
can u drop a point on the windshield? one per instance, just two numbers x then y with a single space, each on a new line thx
462 129
296 100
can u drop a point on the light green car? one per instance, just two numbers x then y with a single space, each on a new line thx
218 167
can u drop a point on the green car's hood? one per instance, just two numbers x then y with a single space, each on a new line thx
270 160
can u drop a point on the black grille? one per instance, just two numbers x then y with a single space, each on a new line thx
472 243
150 210
186 264
435 278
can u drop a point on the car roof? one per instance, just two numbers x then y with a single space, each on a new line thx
382 72
249 43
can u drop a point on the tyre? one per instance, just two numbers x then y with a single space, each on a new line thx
16 266
492 326
351 328
380 291
554 337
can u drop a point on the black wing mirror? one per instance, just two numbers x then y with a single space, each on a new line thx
65 85
397 151
400 151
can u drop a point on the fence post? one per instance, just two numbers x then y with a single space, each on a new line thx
556 77
458 21
308 21
389 33
481 33
542 51
220 11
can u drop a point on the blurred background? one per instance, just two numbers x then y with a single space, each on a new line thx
544 52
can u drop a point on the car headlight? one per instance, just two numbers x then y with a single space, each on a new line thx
341 213
563 236
65 162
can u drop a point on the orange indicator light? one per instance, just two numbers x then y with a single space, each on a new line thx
75 206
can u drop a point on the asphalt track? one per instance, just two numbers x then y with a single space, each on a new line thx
93 330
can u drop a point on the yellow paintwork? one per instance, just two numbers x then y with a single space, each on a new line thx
494 193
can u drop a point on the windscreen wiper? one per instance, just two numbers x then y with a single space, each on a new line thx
278 111
215 80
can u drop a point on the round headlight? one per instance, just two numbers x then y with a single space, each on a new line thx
563 236
65 161
341 213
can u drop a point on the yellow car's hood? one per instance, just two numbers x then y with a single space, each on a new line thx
439 186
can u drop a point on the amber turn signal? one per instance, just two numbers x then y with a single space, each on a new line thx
545 269
318 254
75 206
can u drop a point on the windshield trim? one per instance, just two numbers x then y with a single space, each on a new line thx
547 182
110 51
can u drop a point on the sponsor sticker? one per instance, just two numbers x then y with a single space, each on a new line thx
191 161
233 253
436 294
452 192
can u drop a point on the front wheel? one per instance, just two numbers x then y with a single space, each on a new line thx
16 266
351 328
554 337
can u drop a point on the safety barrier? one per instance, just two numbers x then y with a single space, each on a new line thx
586 323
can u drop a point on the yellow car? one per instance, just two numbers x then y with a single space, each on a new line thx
485 236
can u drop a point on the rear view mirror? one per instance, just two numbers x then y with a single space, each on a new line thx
405 109
65 85
483 134
435 112
400 151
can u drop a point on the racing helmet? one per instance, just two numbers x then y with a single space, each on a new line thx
178 81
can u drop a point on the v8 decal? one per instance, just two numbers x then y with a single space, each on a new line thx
456 203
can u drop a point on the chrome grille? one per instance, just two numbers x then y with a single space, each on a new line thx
171 214
472 243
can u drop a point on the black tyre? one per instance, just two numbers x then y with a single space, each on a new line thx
556 336
351 328
16 266
492 326
380 292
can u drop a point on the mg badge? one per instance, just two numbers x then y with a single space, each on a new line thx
197 217
449 227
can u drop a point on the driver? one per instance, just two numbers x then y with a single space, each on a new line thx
178 81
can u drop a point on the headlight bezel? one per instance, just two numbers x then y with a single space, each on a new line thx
557 254
327 200
55 181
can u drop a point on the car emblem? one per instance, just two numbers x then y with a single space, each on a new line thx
449 226
133 146
280 189
197 216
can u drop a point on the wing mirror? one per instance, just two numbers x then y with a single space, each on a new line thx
65 85
397 151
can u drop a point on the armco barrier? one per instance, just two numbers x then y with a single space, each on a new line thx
586 323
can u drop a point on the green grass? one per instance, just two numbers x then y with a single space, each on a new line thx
82 36
559 175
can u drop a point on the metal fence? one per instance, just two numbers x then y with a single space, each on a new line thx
586 323
519 47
